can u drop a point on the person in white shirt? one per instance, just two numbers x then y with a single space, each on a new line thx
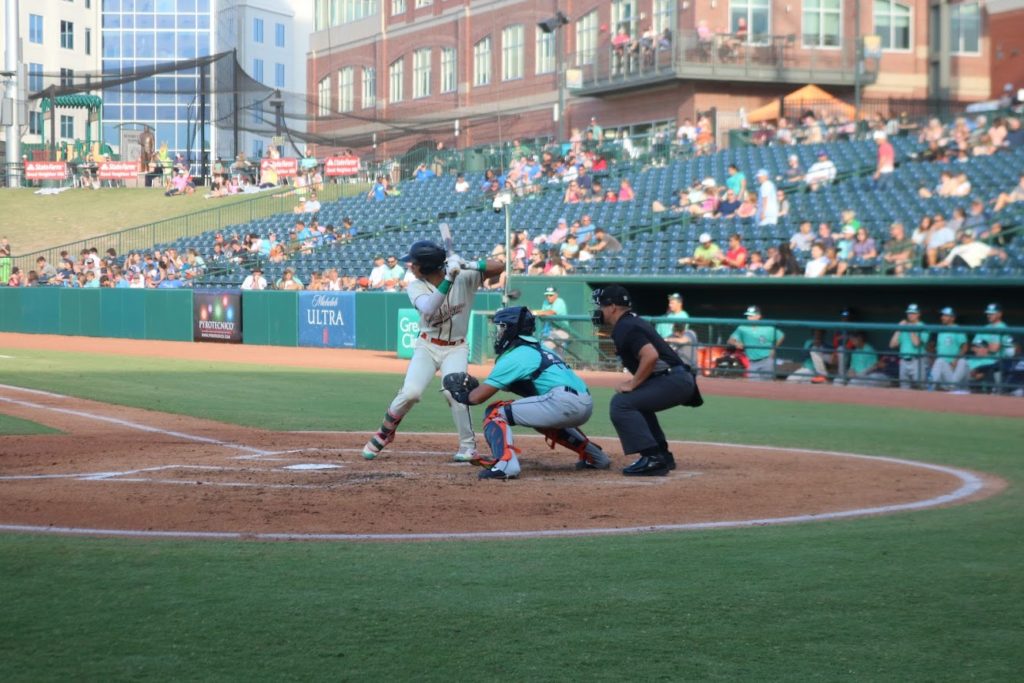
818 262
822 172
254 280
970 253
312 204
377 274
461 184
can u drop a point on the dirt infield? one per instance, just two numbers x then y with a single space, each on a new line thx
125 470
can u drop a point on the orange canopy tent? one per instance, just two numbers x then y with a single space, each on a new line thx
807 97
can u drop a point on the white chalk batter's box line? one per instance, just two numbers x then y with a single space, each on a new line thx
970 484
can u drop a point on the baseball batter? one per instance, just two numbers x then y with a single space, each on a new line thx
443 293
555 400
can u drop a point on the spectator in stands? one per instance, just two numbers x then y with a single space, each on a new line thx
735 257
289 282
729 205
803 238
885 162
817 263
736 181
605 243
1012 197
781 261
866 368
864 249
899 252
949 371
767 199
836 264
300 208
975 222
556 264
570 248
587 229
821 173
44 270
940 240
1014 134
461 184
15 277
784 136
783 203
626 193
180 184
556 236
312 204
707 254
379 191
970 253
748 208
423 173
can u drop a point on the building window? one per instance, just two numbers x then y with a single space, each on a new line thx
257 69
257 30
67 77
545 57
822 23
256 114
424 3
35 29
755 15
512 53
88 41
624 16
397 7
448 77
346 89
35 122
369 87
35 77
279 75
421 73
586 38
482 62
279 35
67 35
965 22
892 24
663 16
396 78
67 127
323 96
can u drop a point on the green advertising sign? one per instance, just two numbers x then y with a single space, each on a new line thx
408 330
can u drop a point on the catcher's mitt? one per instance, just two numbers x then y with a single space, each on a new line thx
459 384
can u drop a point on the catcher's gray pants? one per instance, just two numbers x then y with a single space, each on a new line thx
944 373
912 372
762 370
558 409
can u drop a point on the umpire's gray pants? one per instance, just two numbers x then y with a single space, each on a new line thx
560 408
912 372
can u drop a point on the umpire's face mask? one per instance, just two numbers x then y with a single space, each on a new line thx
597 317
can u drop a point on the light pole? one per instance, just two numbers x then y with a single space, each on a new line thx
553 25
13 137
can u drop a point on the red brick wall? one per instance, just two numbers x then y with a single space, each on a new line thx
1006 32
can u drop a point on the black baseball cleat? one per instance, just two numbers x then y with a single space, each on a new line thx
495 474
670 460
647 466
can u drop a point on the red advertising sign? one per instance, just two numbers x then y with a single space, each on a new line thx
46 170
286 167
118 170
348 165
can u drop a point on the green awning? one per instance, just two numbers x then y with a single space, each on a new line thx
73 102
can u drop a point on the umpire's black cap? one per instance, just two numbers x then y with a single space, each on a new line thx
613 295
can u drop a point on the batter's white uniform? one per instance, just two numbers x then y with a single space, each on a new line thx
441 345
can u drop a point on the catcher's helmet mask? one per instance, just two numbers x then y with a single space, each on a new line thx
426 255
512 323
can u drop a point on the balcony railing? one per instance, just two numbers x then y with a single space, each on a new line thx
689 55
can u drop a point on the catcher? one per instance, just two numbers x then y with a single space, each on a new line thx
555 400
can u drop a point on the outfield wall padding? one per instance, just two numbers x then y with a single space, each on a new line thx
270 318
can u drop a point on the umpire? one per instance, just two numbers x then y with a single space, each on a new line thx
660 381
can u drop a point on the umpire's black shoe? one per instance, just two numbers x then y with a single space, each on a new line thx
670 460
647 466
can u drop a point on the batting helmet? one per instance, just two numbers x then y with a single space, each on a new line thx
512 322
427 255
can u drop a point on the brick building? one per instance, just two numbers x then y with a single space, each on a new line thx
406 70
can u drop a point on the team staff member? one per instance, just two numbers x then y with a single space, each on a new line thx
911 344
443 293
660 381
759 343
555 401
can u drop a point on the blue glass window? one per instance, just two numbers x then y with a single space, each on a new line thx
145 44
165 112
111 5
35 77
204 21
186 21
165 6
35 29
257 69
186 5
204 45
257 30
144 21
67 127
164 21
165 45
145 112
128 21
279 35
278 75
186 46
111 21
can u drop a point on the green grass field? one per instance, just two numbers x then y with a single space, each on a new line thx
13 425
933 596
33 222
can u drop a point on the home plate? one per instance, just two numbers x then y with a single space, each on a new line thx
312 466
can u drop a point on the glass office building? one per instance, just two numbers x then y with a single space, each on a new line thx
143 33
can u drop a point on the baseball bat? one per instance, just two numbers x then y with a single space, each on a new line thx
446 238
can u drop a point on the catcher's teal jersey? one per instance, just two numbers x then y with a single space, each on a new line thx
522 361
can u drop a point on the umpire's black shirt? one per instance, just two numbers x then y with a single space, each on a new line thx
631 333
